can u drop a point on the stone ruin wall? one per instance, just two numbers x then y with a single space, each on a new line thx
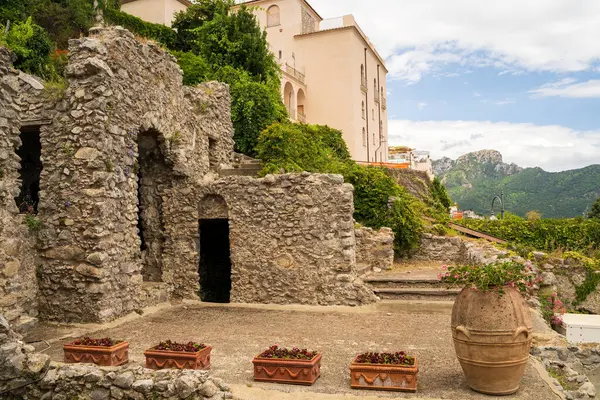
125 116
374 249
292 238
454 249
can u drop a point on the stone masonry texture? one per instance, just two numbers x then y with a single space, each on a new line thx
129 165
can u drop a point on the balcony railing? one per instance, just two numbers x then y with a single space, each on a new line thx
292 114
294 72
383 102
363 84
301 117
377 96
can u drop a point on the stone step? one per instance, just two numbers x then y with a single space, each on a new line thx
418 293
257 167
238 172
405 282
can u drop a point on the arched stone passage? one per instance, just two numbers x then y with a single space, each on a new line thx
215 262
301 101
154 176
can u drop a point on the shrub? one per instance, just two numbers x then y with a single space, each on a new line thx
31 45
34 224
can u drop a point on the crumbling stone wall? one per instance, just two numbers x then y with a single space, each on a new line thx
455 249
374 249
25 374
291 239
18 287
119 91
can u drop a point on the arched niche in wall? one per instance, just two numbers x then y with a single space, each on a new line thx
273 16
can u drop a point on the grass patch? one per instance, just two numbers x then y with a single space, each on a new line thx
559 375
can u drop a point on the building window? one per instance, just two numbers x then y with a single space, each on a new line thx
363 110
362 73
273 16
373 138
375 86
373 114
280 54
364 138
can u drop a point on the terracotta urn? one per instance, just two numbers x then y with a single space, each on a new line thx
401 378
163 359
492 336
103 356
297 372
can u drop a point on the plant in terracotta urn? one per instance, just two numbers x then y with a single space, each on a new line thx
491 325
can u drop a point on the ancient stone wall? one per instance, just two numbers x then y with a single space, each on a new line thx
18 287
291 239
25 374
121 93
374 249
454 249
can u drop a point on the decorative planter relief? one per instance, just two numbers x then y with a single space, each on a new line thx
295 371
392 377
102 352
190 356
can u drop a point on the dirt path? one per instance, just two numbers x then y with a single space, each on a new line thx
237 333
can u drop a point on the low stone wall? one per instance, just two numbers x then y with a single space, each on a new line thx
374 249
25 374
454 249
570 366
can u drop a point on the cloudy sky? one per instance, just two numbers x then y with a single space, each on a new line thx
518 76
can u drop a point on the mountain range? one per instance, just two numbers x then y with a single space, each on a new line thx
475 178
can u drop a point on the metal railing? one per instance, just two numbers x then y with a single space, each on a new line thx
377 96
294 72
292 114
301 117
363 84
383 102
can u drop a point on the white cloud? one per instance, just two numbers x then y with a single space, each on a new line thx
505 102
551 147
419 37
421 105
569 88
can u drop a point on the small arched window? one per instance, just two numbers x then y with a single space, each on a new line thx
373 138
273 16
363 110
375 86
364 137
362 72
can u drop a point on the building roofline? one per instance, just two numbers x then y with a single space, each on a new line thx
349 27
184 2
260 1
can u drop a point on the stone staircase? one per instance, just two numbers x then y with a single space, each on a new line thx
418 285
243 166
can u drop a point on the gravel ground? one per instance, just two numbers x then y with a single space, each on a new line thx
239 332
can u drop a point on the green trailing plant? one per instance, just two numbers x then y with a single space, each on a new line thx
494 276
55 90
34 224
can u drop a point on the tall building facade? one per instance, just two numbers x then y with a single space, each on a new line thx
331 73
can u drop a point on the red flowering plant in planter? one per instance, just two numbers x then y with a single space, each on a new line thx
169 354
105 352
384 371
295 366
493 276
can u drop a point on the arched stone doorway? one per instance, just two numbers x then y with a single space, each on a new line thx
289 99
153 177
215 263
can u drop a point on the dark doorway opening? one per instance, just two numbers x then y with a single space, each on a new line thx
30 153
215 262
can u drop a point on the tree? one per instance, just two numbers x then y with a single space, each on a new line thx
63 19
195 16
439 193
595 212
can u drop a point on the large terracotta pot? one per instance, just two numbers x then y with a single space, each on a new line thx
492 336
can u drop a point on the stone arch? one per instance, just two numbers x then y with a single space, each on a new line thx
301 102
154 176
273 16
213 206
289 99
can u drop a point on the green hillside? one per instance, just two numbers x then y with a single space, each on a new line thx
474 179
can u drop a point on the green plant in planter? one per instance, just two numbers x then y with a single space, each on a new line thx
493 276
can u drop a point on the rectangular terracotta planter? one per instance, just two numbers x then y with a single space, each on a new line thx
296 372
99 355
384 377
160 359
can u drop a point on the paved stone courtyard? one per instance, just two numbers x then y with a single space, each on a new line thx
238 332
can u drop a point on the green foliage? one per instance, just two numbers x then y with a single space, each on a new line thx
195 16
378 200
195 68
494 276
160 33
63 19
595 212
543 234
55 90
34 224
439 193
551 305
